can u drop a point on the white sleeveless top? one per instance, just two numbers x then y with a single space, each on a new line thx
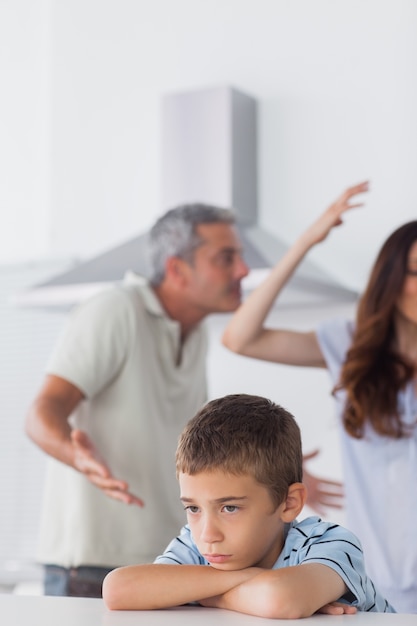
380 475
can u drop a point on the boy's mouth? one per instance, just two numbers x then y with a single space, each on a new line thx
217 558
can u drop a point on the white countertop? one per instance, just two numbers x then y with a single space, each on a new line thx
56 611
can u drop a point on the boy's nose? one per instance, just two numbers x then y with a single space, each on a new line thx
210 532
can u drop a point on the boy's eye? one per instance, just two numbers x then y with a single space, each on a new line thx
230 508
191 509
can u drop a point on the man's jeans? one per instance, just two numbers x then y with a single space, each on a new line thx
83 581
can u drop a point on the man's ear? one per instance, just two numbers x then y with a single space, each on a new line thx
294 502
176 270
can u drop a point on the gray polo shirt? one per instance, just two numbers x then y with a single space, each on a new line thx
121 350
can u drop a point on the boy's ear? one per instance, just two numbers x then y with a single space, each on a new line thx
294 502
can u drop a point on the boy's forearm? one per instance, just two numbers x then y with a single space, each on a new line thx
293 592
145 587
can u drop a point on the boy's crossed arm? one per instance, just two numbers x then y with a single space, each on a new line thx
159 586
290 592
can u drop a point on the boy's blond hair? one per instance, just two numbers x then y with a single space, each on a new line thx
244 434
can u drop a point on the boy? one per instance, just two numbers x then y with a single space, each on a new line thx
239 466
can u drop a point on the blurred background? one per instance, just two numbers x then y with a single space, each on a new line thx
82 84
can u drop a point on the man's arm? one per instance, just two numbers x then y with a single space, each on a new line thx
47 425
287 593
157 586
47 419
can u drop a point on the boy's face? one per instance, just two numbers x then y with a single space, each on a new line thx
233 520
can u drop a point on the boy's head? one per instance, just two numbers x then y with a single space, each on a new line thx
239 468
244 434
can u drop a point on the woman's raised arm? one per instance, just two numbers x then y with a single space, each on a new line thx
246 333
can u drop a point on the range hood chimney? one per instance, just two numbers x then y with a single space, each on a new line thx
208 154
209 150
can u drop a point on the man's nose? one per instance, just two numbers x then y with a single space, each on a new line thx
242 269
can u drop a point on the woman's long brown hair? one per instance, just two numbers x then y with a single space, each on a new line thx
374 372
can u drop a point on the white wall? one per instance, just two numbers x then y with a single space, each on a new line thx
79 137
24 130
335 83
79 121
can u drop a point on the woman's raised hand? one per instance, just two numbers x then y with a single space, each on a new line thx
332 216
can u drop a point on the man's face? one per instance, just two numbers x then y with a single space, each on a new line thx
215 274
232 519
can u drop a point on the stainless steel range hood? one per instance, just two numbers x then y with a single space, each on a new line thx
209 154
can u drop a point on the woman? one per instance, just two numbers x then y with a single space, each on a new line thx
373 364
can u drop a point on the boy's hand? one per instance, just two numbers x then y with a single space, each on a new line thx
338 608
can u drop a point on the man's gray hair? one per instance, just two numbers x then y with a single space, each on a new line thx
175 234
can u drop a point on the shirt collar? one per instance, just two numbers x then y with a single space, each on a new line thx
152 303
